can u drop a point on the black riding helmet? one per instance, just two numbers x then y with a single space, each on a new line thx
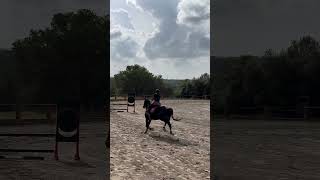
157 91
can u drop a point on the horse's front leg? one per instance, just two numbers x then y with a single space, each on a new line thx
147 125
149 117
148 121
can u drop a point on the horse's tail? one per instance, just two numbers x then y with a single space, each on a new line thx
175 118
170 110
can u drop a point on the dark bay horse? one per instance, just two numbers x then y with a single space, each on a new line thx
161 113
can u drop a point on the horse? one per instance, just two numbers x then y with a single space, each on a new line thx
162 113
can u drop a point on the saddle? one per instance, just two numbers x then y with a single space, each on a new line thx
154 106
154 109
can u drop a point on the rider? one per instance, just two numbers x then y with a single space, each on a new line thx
156 101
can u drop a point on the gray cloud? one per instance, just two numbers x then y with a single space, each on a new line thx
204 43
163 10
133 3
122 18
123 47
172 40
193 12
115 33
123 41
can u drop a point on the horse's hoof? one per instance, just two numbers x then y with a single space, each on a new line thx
164 129
171 133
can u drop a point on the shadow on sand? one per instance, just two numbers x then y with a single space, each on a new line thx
170 139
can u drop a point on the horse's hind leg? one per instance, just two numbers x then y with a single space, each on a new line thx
164 127
170 127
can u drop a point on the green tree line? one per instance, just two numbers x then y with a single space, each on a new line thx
139 80
274 79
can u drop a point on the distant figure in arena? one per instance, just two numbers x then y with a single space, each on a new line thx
156 101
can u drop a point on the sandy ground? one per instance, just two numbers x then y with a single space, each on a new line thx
157 154
266 150
92 153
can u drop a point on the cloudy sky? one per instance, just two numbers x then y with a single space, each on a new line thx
168 37
17 17
251 26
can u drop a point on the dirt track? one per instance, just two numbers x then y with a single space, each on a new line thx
266 150
157 154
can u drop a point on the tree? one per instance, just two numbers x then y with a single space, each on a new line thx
67 59
138 79
269 53
307 46
197 86
186 88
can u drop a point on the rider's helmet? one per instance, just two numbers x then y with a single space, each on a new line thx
157 91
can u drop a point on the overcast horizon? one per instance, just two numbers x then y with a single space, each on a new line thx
168 37
252 26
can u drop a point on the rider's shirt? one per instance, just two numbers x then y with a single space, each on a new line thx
156 97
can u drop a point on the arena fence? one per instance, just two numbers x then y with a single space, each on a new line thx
117 104
67 127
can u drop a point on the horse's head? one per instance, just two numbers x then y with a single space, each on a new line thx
146 103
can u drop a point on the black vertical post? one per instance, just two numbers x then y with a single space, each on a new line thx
77 156
56 156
